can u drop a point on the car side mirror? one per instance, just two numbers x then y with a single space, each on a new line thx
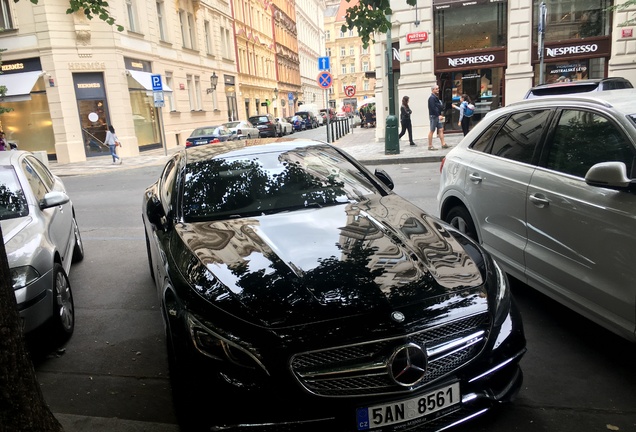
155 213
608 174
384 177
53 199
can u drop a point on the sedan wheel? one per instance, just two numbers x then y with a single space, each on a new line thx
459 218
78 249
63 320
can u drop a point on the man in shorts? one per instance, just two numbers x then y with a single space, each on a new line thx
435 109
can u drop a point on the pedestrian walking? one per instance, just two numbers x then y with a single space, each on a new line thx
405 120
3 142
113 142
436 119
466 111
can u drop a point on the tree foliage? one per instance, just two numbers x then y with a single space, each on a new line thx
369 17
622 7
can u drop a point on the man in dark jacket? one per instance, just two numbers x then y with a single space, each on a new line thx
435 109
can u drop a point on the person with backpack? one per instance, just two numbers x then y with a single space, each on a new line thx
466 111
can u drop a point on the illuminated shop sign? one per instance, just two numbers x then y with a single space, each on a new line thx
471 60
570 50
22 65
599 47
12 67
88 85
479 59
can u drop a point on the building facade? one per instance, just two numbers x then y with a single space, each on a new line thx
352 65
287 58
488 49
311 45
68 77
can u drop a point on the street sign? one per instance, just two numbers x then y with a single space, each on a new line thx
323 63
350 91
156 83
290 96
158 98
417 37
325 80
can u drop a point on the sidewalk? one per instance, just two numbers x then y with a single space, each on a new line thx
360 143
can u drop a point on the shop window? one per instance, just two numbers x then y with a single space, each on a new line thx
470 27
568 19
6 22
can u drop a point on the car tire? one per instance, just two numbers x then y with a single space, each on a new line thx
78 249
63 319
459 218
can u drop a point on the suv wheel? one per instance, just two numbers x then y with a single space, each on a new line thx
459 218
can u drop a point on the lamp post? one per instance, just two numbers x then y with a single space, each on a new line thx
275 93
391 141
214 80
543 12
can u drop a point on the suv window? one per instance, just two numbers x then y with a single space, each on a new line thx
582 139
259 119
520 135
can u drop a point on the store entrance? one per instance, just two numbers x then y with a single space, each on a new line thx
484 87
94 124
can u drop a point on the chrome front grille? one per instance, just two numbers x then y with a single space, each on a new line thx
362 369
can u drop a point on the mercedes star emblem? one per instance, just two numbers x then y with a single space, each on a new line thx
397 316
407 365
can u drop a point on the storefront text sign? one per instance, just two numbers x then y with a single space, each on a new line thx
596 48
417 37
478 59
87 66
627 32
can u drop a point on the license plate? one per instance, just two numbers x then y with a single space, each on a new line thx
409 409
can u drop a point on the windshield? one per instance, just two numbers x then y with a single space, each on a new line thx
206 131
232 124
13 203
271 182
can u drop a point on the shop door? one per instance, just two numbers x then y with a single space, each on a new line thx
94 125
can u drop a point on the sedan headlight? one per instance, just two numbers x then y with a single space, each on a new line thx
23 276
502 296
215 346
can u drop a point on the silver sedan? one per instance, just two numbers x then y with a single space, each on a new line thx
42 238
286 126
242 129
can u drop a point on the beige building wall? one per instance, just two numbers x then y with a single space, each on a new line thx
256 61
68 44
349 60
311 46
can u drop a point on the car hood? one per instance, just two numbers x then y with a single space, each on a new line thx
312 265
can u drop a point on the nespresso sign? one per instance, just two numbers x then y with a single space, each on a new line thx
583 49
471 60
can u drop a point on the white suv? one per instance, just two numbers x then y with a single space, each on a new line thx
548 186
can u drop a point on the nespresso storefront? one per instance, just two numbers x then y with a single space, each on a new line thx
470 55
573 60
478 74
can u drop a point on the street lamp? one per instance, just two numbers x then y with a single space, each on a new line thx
275 93
214 80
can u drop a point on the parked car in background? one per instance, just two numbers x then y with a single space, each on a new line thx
309 119
580 86
297 122
242 129
312 108
267 125
328 111
338 332
42 239
547 186
285 125
209 135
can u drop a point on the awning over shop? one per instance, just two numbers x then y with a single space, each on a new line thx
143 78
19 85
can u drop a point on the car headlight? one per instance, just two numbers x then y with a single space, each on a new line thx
23 276
502 296
215 346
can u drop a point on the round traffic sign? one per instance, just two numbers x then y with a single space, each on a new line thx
325 80
350 91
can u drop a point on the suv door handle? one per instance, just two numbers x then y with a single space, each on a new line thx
539 200
475 178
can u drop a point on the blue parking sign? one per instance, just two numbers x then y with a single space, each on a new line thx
156 83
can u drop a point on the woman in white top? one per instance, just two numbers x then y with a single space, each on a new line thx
112 141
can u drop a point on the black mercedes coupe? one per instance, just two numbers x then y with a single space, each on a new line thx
300 293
